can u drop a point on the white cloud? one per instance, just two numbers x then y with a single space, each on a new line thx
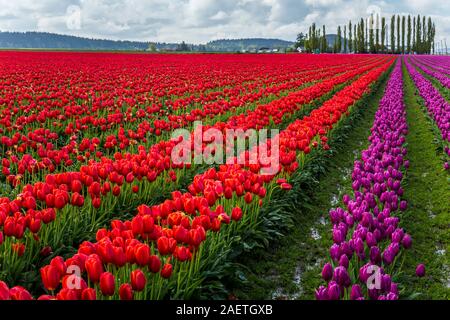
203 20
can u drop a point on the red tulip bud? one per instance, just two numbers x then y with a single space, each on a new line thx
154 264
94 268
107 284
4 291
166 271
50 277
126 292
236 214
138 280
88 294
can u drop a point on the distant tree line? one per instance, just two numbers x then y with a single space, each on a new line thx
44 40
407 35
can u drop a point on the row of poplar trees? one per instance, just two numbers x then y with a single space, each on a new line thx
407 35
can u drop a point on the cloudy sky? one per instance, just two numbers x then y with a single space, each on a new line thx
198 21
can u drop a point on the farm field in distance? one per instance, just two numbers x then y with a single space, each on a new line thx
224 176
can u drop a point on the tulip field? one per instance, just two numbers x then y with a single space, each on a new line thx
93 205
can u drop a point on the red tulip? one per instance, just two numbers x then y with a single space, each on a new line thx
137 225
35 225
19 293
126 292
107 284
4 291
18 248
67 295
59 264
138 280
149 223
29 203
88 294
163 246
286 186
248 197
116 191
60 202
50 277
154 264
94 268
182 254
46 251
236 214
166 271
76 186
96 203
142 254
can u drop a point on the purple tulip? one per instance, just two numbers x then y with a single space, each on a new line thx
397 235
334 291
391 296
341 276
394 288
356 292
338 236
335 252
407 241
327 272
371 240
322 293
373 294
403 205
344 262
386 282
420 270
375 255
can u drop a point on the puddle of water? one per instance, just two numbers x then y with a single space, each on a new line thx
334 200
346 174
298 282
279 294
315 234
322 221
430 212
446 280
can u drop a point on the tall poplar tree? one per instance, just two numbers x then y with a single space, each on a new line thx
383 33
371 37
408 36
350 40
345 38
377 36
425 34
399 49
413 35
324 41
403 33
363 39
418 35
393 34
